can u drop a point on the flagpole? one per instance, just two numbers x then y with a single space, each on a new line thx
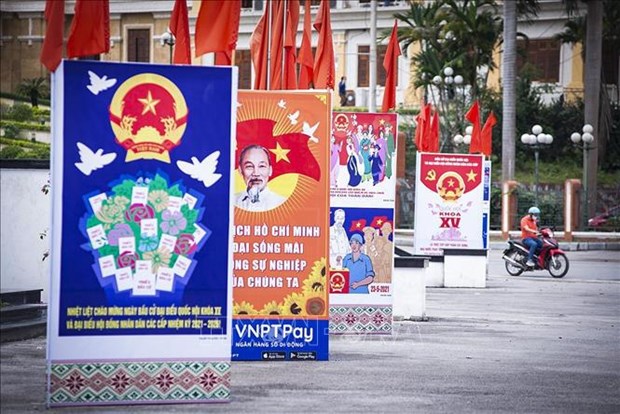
270 11
372 99
283 48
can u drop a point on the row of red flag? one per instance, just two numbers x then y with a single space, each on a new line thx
427 130
272 44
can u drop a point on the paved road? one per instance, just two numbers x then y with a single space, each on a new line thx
523 344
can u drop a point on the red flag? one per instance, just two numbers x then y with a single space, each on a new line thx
324 66
289 152
486 136
433 136
390 64
90 29
423 128
290 49
473 116
378 221
217 28
179 27
51 52
258 49
305 58
357 225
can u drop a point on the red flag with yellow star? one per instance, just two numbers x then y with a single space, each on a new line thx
289 153
378 221
358 225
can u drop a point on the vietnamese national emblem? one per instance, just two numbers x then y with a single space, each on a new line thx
148 114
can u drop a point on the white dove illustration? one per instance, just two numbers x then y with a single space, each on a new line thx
98 84
282 104
293 117
202 170
309 130
91 161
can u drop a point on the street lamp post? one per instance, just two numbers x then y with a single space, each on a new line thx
584 141
444 91
167 38
537 139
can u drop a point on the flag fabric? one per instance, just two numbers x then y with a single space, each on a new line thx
433 135
259 49
305 59
486 136
423 127
473 116
358 225
51 52
217 28
290 49
379 221
390 64
324 62
90 29
275 43
179 27
289 153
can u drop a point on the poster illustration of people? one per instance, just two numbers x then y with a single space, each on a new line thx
281 227
141 283
362 194
449 203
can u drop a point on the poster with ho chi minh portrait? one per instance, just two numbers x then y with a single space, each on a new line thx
280 299
141 281
449 207
362 194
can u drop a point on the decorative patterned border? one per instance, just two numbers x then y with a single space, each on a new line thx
120 382
357 319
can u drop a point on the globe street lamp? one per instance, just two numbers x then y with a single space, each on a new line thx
444 88
459 139
167 38
537 140
584 141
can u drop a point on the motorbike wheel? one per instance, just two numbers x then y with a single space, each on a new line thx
512 269
557 265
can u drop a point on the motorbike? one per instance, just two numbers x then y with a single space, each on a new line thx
549 257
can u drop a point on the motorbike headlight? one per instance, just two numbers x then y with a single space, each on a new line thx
550 233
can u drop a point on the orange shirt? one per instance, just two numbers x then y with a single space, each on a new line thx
527 221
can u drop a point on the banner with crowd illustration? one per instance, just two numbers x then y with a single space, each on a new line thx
281 227
451 200
141 283
362 195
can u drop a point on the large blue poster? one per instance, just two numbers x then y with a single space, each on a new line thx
141 232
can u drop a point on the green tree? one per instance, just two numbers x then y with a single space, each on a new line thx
33 89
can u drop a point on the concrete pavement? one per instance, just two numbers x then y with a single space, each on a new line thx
525 344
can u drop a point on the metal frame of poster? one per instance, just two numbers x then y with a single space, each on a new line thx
141 281
449 203
363 189
281 201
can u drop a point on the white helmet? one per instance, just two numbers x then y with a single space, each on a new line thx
533 210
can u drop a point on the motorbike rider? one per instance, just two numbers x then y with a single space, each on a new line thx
529 234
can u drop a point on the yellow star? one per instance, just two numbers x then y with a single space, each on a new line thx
280 153
149 104
471 175
450 183
379 222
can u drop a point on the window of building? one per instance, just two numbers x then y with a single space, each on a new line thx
243 60
363 65
544 55
332 3
611 63
138 45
